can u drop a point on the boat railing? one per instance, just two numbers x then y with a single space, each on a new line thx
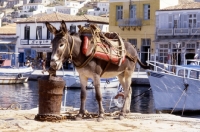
192 61
162 67
189 72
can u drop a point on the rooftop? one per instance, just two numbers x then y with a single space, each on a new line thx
184 6
8 29
33 4
57 17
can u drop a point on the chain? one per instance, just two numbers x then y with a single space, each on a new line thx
15 106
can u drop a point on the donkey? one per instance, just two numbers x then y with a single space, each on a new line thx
66 46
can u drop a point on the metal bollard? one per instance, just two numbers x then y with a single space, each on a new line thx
50 98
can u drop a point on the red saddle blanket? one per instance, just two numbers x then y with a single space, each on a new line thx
103 51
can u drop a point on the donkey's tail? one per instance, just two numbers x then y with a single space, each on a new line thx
143 65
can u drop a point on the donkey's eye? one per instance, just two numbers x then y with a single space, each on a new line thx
61 45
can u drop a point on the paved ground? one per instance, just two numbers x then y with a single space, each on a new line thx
23 121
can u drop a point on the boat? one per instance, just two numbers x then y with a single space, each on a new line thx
175 88
73 81
13 75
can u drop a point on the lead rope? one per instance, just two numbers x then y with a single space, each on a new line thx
185 89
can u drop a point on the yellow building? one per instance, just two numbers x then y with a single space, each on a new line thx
135 21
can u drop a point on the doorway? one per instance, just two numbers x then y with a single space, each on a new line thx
144 54
189 56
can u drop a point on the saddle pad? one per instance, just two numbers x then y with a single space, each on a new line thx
103 51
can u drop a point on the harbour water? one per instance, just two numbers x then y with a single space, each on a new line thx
27 96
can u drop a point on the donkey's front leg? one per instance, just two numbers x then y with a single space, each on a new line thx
83 95
99 98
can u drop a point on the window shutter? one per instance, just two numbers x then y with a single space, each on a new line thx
145 12
198 20
185 21
170 20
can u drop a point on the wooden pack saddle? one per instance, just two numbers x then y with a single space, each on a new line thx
106 46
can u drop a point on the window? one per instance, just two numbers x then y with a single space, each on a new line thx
146 42
27 32
194 74
133 42
49 35
39 32
176 21
146 11
192 20
119 12
181 72
163 52
132 11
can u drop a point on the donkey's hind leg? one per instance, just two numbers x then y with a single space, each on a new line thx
83 95
125 80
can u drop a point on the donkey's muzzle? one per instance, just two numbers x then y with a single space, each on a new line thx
53 64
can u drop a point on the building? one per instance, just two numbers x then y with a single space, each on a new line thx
12 3
32 9
34 40
102 8
8 43
44 2
135 21
178 25
67 10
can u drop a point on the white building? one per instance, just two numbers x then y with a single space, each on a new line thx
72 3
34 39
77 4
178 25
50 10
32 9
102 8
44 2
67 10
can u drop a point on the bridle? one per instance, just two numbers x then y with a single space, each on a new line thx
69 49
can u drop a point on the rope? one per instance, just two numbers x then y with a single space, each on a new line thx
141 95
185 89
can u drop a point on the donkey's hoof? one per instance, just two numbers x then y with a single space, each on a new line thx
78 117
100 119
121 117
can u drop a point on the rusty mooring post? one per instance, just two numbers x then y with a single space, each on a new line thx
50 98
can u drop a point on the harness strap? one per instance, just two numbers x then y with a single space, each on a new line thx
88 60
105 69
70 53
131 57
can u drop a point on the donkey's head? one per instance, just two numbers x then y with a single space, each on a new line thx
60 45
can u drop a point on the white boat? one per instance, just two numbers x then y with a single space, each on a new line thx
73 81
175 91
13 75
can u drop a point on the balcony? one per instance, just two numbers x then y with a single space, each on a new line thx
35 42
195 31
181 31
165 32
130 23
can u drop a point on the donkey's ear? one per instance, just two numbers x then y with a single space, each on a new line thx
51 28
63 27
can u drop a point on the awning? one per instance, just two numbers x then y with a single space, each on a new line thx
8 40
42 49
